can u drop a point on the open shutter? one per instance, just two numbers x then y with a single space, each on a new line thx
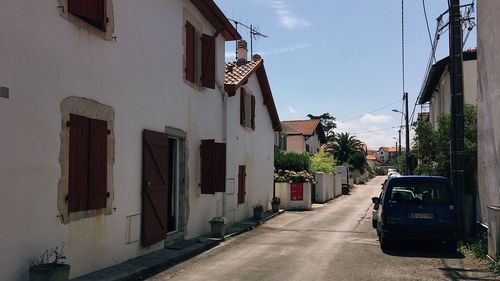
207 166
98 164
242 107
253 112
220 167
78 163
155 187
208 61
91 11
190 51
242 174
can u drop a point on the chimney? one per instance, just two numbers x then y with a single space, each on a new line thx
242 52
256 57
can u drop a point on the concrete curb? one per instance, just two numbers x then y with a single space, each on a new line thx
148 265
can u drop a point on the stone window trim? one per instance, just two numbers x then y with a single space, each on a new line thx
110 25
91 109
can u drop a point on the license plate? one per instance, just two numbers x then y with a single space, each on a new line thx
425 216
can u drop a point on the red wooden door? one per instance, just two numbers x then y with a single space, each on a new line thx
296 191
155 187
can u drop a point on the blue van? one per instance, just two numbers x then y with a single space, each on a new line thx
417 207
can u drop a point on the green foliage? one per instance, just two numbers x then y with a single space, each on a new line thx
291 161
327 122
433 147
322 162
52 256
357 161
218 220
478 250
342 147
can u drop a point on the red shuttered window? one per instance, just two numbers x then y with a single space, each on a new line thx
190 51
208 61
91 11
247 109
87 189
213 167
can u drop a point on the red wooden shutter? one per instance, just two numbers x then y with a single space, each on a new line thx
253 112
190 51
220 167
91 11
207 166
78 163
208 61
98 164
242 107
155 187
241 184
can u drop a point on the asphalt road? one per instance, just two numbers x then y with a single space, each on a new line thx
334 241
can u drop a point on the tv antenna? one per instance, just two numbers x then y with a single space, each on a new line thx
254 34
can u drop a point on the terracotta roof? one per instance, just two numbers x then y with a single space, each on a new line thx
389 149
305 127
217 19
238 74
372 155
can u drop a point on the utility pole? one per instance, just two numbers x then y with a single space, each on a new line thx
457 107
408 170
399 131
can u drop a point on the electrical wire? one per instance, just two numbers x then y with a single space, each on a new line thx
374 131
375 110
428 29
403 43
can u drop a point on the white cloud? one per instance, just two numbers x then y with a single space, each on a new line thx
230 55
375 119
286 17
374 130
292 110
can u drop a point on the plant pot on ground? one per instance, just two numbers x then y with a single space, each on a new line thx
258 211
275 204
50 266
218 226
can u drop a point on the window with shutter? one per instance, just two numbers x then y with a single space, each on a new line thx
87 188
252 112
241 184
91 11
208 61
213 167
247 109
190 52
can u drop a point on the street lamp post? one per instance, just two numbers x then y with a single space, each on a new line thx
407 154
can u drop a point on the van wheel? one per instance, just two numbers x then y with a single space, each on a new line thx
345 190
374 223
385 244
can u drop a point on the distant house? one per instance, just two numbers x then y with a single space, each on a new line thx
304 135
386 153
371 158
436 88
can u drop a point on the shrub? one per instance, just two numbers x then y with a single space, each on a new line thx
357 161
291 176
291 161
322 162
218 220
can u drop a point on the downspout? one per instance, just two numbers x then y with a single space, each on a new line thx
220 87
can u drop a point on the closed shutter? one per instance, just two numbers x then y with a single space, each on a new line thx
155 187
220 167
78 163
208 61
190 51
253 112
91 11
242 107
207 166
98 164
242 174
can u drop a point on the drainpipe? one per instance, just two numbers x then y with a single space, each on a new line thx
224 96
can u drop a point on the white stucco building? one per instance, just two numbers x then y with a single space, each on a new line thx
488 131
304 135
117 133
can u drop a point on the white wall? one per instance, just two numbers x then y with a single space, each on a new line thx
46 59
313 142
488 105
254 149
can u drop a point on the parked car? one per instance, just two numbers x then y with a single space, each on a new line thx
375 209
417 208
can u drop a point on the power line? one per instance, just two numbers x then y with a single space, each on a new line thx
374 131
375 110
403 42
428 29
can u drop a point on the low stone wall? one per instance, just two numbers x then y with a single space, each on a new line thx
295 196
324 190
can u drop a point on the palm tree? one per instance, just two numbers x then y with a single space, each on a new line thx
342 147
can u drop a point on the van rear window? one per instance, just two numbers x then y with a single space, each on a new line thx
422 193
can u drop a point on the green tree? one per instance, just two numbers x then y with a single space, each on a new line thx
357 161
322 162
343 146
291 161
327 122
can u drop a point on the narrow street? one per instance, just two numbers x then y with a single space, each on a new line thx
334 241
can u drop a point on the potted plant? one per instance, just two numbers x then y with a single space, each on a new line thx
258 210
218 226
275 204
50 266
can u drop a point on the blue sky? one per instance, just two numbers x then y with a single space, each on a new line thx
342 57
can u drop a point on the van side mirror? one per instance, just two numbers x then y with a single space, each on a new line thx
375 200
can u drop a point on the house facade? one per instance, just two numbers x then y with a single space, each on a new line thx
488 128
436 88
386 153
113 114
304 135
